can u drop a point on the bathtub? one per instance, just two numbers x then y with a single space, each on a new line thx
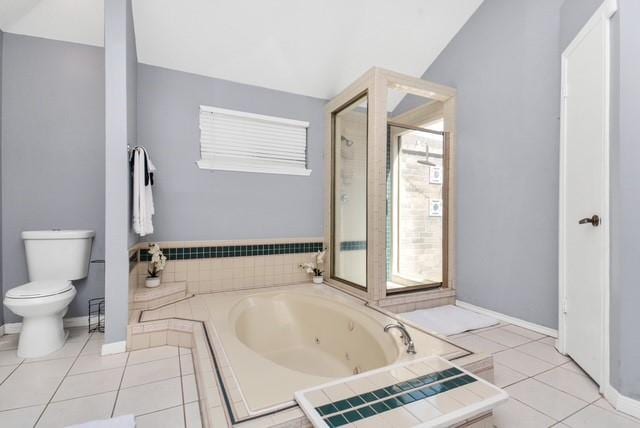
272 343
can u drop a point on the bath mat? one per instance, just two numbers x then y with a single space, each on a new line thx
126 421
448 320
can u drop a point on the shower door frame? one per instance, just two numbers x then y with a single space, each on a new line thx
395 211
375 83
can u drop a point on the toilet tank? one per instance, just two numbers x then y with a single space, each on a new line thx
58 254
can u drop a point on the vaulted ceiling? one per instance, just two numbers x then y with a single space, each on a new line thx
309 47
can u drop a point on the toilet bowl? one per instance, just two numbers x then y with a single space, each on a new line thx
54 259
42 304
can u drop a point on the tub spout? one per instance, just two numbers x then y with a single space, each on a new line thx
405 336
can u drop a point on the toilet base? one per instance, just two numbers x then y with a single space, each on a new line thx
41 336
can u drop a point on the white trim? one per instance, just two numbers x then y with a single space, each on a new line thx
271 119
622 403
114 348
212 165
16 327
509 319
603 14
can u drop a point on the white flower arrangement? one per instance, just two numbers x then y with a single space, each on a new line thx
315 267
158 261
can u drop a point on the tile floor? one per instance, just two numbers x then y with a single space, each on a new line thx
546 389
76 385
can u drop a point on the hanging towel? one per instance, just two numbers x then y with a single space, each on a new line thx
143 209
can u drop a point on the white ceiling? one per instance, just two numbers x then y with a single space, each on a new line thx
79 21
306 47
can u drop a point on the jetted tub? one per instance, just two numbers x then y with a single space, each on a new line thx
277 342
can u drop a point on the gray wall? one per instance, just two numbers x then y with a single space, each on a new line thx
195 204
120 127
625 201
52 151
1 48
132 110
505 64
573 15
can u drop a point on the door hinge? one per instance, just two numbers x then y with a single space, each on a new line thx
565 306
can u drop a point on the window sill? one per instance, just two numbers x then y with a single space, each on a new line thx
205 164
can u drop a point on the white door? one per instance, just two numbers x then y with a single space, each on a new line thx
584 193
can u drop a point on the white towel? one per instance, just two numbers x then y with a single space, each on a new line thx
126 421
143 208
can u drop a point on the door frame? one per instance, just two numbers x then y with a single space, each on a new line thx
602 16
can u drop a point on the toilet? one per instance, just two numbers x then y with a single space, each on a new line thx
54 259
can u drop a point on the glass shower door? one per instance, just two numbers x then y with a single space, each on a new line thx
416 218
349 194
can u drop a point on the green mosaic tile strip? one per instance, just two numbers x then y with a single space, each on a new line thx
133 260
382 400
353 245
235 251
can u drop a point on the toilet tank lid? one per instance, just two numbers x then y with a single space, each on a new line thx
58 234
39 289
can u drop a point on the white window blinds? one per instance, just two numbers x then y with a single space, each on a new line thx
238 141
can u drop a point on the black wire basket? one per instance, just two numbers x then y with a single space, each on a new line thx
96 315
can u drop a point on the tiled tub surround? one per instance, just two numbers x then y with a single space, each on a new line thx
213 266
432 391
246 376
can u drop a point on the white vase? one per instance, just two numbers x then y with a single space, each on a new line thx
152 281
318 279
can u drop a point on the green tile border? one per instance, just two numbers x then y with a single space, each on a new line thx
353 245
400 394
190 253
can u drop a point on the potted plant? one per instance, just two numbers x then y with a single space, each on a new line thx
315 267
156 265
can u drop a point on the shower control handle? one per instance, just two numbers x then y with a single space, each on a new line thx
594 220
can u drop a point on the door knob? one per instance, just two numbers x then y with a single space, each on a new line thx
594 220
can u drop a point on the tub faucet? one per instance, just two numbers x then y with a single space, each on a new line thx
405 336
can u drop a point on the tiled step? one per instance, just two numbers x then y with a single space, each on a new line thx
165 293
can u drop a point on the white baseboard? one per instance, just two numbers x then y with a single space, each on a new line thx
15 327
511 320
621 402
114 347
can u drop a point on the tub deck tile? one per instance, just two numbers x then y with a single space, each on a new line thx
433 390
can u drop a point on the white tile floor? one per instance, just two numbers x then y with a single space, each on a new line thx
76 385
157 385
546 388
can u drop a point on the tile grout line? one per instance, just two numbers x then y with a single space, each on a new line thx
12 372
544 383
115 367
46 406
115 402
542 372
184 413
157 411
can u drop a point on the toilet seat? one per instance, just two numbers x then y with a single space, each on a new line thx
37 289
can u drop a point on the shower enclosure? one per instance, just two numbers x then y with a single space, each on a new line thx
389 231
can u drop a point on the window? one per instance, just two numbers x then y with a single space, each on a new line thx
238 141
